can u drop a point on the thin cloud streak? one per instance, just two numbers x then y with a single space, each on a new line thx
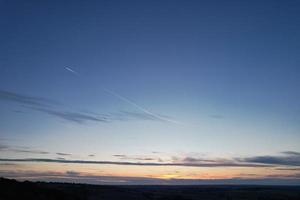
46 106
140 107
49 107
125 99
291 153
140 158
25 99
3 147
21 150
72 116
30 151
63 154
288 169
72 71
288 158
227 164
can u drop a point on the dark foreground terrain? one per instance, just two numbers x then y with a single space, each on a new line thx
11 189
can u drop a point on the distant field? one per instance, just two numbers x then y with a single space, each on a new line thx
11 189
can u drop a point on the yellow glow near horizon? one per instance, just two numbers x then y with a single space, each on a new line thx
44 170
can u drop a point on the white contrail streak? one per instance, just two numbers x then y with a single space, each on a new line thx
139 107
124 99
72 71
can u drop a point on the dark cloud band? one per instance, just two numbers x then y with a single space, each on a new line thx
225 164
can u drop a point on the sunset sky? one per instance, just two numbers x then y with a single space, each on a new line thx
150 92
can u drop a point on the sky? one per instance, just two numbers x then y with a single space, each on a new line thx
150 92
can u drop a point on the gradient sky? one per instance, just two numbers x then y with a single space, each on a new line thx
150 92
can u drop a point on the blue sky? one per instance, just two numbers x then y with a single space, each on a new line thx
157 81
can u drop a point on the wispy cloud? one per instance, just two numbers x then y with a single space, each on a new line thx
25 99
288 169
187 164
81 117
54 109
289 158
8 164
120 155
3 147
128 115
281 176
147 114
47 106
72 116
194 160
21 150
140 158
63 154
29 151
72 173
291 153
285 161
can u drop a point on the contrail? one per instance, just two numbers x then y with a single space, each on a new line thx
124 99
139 107
72 71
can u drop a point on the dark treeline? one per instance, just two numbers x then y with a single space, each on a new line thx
12 189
